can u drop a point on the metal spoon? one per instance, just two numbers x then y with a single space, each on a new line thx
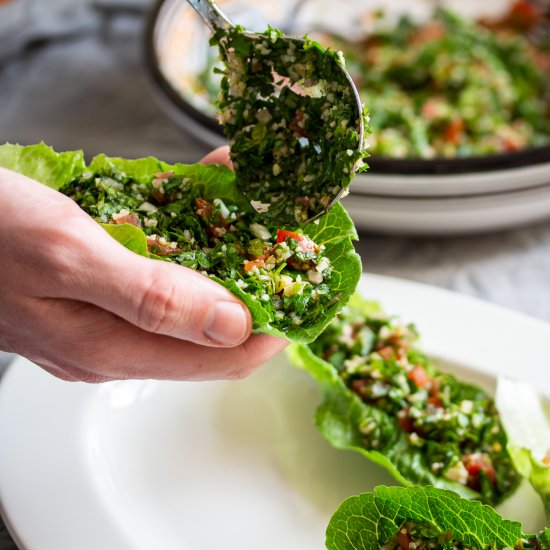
216 20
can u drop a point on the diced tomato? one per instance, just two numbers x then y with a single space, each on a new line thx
430 110
132 219
476 463
510 144
387 353
434 393
405 421
154 246
159 196
419 377
358 386
454 131
428 33
164 175
204 208
306 244
294 124
524 15
435 400
252 264
403 539
216 223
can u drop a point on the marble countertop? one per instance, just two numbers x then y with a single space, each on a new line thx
89 90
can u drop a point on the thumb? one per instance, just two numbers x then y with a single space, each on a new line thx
157 296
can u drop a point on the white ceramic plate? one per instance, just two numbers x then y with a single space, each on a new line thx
448 215
453 185
233 465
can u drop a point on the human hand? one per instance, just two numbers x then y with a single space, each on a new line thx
85 308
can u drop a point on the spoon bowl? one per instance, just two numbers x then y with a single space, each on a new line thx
293 117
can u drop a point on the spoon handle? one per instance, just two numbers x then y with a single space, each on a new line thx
211 14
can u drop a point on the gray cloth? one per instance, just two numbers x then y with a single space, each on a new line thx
91 91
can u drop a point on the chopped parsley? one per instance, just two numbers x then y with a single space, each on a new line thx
292 122
284 270
451 87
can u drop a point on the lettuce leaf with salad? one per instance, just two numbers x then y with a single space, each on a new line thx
292 279
419 518
292 151
397 518
384 398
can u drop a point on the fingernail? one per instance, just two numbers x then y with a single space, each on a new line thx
226 323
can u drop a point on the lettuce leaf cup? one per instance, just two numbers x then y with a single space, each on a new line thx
294 281
398 518
384 398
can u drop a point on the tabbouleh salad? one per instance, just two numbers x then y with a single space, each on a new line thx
450 87
453 87
424 518
285 270
454 425
252 230
292 121
415 536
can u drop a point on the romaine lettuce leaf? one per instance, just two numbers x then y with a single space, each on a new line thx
211 181
373 520
128 235
42 163
528 434
341 414
335 230
408 434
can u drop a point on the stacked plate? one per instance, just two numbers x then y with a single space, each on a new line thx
470 202
409 196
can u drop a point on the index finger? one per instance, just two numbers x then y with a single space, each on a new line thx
218 156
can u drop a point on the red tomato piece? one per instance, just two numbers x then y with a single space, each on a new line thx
454 131
524 15
132 219
358 386
476 463
204 208
252 264
419 377
296 124
306 244
405 421
403 539
387 353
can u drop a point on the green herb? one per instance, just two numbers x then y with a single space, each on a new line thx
451 87
293 281
291 120
423 517
384 398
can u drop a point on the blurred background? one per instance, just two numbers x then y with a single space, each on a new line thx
459 191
